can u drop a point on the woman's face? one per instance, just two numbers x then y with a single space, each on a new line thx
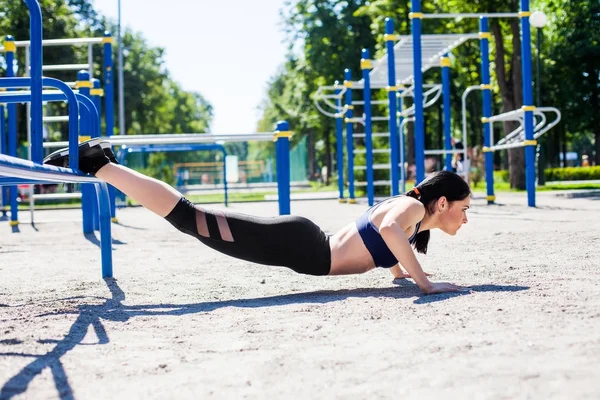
452 214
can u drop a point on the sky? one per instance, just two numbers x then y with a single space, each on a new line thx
224 49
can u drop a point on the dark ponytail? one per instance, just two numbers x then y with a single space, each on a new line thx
438 184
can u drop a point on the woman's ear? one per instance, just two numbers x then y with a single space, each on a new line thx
442 204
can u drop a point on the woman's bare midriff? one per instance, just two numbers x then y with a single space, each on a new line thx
348 252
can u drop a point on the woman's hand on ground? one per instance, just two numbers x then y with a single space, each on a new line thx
405 275
443 287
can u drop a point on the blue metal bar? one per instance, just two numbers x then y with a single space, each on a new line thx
282 151
487 107
109 112
349 135
35 29
109 108
445 61
97 98
3 150
528 102
401 137
339 138
366 67
392 92
104 217
72 105
83 80
13 193
418 91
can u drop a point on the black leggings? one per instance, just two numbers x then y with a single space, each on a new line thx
287 241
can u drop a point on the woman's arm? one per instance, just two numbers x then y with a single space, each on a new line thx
392 227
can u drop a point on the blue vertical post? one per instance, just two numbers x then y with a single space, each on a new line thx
484 36
366 66
10 49
349 134
528 106
401 137
97 93
416 15
3 150
390 40
445 64
282 151
88 195
109 107
339 138
35 33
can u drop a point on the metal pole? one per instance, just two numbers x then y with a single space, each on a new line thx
484 36
445 64
282 151
121 83
528 107
339 138
365 66
349 135
392 94
9 54
416 15
538 102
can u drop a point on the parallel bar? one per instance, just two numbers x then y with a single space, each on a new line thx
65 67
470 15
61 42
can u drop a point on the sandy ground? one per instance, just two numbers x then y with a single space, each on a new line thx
181 321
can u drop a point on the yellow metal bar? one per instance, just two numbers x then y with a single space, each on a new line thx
486 87
282 134
530 143
347 107
9 45
97 92
13 223
490 198
351 201
485 35
83 138
348 84
108 40
388 37
485 120
524 14
445 62
486 149
528 108
84 84
392 88
413 15
366 64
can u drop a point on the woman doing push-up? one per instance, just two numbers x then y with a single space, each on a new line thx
384 236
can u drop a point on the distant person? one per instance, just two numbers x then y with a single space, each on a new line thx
384 236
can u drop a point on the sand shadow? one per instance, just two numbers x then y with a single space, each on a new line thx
91 237
113 310
130 226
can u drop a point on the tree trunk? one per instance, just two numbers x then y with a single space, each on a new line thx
511 92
